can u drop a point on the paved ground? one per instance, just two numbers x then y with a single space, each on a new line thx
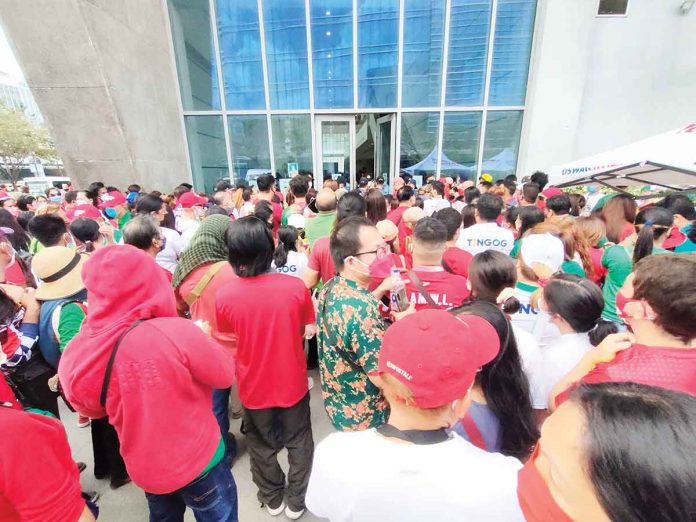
128 504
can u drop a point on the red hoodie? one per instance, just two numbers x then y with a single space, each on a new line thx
160 392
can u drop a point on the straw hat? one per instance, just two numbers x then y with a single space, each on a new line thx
60 270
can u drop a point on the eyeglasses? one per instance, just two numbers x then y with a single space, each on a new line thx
381 251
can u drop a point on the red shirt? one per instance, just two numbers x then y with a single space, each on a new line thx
14 275
320 259
447 290
167 274
39 480
396 215
599 270
268 314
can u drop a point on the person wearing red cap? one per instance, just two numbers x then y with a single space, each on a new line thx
152 374
192 212
413 468
115 206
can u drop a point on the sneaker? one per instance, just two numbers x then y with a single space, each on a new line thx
293 515
83 422
310 384
277 511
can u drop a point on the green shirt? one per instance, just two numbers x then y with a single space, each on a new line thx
516 248
318 226
573 267
350 331
71 317
687 246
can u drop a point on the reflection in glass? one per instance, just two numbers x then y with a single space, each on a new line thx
378 36
335 148
286 54
460 144
424 22
513 43
206 142
193 49
249 142
466 71
502 143
419 143
332 50
292 142
240 54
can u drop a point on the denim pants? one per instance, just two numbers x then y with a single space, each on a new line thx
221 400
212 497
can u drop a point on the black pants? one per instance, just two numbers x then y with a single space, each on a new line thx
108 461
269 430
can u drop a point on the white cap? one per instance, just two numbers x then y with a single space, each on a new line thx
296 220
543 249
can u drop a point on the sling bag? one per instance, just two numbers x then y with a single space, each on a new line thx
198 289
110 364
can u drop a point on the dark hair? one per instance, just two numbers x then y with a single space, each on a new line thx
485 183
147 203
264 211
222 185
560 204
471 194
577 204
246 194
134 188
540 179
405 193
469 216
141 231
489 206
93 192
616 212
511 216
505 385
668 284
438 187
376 206
250 246
86 231
18 239
430 231
676 203
451 219
420 202
345 239
299 186
490 272
181 190
70 196
530 192
187 185
579 302
287 242
215 210
351 204
510 186
639 450
265 182
651 224
529 216
25 200
8 308
47 229
23 219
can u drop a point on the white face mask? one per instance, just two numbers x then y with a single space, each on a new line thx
199 213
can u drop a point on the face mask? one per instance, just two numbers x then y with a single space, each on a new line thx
622 301
199 212
110 212
56 199
534 496
380 268
163 243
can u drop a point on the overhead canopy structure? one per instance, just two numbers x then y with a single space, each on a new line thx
667 160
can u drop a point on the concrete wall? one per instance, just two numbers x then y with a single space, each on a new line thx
102 74
597 83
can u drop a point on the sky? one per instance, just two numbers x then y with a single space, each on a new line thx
8 63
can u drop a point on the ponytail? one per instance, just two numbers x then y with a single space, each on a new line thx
651 224
287 239
644 243
601 330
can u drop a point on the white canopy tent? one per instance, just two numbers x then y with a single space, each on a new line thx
429 164
667 160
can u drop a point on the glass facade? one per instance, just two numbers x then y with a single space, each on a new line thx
446 80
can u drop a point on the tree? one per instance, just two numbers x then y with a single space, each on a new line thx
20 142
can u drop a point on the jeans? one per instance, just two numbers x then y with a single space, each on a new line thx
221 400
212 497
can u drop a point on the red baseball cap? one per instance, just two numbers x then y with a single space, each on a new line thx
551 192
83 211
112 199
676 237
190 199
437 354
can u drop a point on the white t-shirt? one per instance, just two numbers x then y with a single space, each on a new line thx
169 257
529 351
486 236
361 476
557 359
295 265
188 228
430 206
533 321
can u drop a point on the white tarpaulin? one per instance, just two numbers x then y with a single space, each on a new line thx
429 164
668 159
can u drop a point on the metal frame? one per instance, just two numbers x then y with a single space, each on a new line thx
318 146
338 114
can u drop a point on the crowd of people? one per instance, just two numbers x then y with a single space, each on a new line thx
500 351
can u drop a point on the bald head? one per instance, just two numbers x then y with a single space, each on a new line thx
326 200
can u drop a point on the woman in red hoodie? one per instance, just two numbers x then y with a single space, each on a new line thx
157 391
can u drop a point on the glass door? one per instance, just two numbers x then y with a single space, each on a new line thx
385 148
335 149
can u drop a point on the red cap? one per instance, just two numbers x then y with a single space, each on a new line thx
457 261
676 237
436 354
83 211
551 192
4 195
190 199
112 199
